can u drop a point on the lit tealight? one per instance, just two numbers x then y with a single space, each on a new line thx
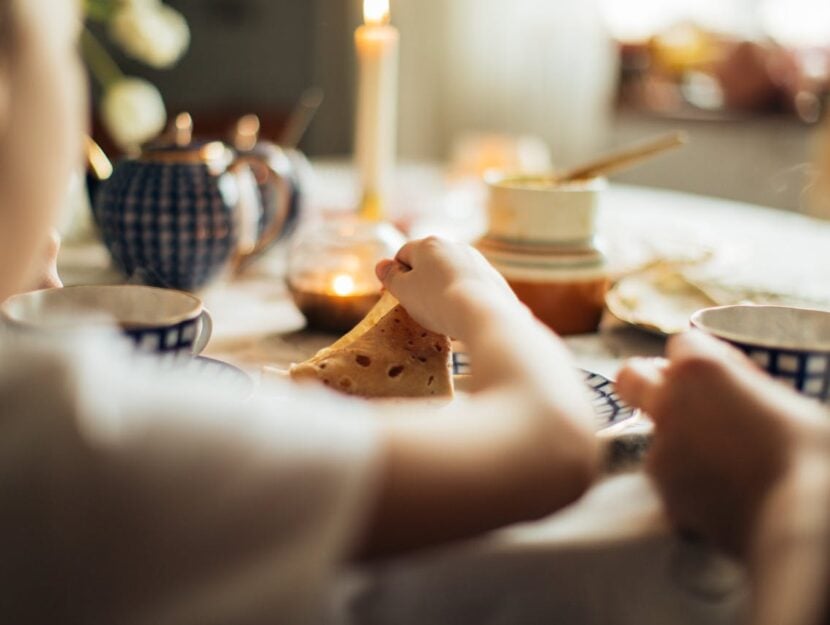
343 285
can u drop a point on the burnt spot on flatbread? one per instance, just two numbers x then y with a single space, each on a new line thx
438 348
431 380
395 371
345 384
363 361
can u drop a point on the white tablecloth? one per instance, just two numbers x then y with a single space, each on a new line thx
609 560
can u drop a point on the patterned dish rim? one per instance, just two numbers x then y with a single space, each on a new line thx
612 412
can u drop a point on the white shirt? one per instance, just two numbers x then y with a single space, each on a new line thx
133 496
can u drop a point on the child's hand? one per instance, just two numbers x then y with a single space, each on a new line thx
445 286
725 435
523 445
45 275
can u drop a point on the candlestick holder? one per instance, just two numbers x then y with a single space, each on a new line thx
331 270
377 44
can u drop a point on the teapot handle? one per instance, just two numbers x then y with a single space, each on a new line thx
281 182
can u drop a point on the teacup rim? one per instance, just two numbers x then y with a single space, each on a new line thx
750 341
97 320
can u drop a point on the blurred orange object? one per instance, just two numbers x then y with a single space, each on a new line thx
682 48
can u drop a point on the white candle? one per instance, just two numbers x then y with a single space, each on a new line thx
377 45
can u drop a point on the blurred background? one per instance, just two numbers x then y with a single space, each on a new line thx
748 79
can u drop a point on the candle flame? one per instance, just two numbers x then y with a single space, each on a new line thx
376 12
343 285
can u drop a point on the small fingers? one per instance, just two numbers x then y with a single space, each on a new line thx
697 344
412 252
383 269
640 380
407 253
390 272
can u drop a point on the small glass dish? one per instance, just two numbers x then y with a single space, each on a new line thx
331 270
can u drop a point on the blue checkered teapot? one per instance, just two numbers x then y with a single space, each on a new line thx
183 212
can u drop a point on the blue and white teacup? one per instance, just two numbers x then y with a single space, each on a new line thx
157 320
791 344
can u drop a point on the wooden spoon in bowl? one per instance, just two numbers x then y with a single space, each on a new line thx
616 161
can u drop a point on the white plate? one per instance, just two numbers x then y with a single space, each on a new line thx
659 301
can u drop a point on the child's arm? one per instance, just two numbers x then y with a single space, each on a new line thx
790 561
519 449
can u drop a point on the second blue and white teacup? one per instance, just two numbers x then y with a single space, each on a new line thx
791 344
157 320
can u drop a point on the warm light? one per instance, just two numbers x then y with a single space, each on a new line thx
376 12
342 285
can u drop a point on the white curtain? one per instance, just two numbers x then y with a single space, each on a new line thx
541 67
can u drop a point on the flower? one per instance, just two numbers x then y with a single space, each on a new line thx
133 112
150 32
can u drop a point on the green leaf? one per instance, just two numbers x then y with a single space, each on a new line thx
101 64
100 10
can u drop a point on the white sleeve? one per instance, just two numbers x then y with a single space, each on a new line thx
163 501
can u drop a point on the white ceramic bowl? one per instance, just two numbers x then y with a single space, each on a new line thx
527 210
157 320
791 344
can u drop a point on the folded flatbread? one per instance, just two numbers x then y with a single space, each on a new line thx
386 355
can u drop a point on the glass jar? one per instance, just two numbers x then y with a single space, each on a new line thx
331 270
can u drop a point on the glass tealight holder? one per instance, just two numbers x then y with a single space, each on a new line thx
331 270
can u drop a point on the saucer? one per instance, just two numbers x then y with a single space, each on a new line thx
216 371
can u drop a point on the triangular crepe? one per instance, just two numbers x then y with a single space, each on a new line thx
386 355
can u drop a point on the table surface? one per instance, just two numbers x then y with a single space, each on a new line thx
256 322
614 546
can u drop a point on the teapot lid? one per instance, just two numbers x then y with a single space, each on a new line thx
177 146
